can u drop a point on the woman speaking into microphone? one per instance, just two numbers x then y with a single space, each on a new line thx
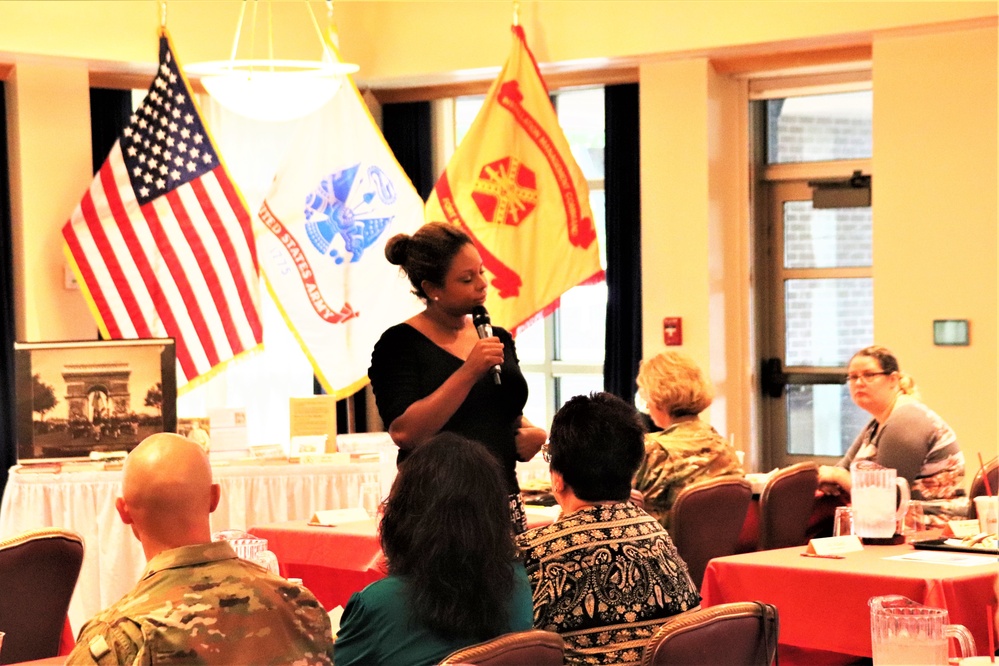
440 370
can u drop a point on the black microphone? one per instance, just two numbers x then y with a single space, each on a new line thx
485 330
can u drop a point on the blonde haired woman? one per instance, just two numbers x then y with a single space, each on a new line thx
688 449
903 433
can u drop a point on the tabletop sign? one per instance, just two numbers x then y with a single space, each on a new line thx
961 528
315 415
835 545
334 517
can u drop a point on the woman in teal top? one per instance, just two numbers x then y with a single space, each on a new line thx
453 579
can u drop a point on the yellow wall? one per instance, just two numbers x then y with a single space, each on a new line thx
935 152
935 215
50 169
397 40
400 40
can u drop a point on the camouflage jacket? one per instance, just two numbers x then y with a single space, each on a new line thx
203 605
683 454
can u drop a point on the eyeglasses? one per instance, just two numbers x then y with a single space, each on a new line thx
546 453
866 377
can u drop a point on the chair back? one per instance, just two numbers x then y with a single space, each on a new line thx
744 632
536 647
38 572
705 520
786 505
991 470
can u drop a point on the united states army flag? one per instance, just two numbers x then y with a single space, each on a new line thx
513 186
337 197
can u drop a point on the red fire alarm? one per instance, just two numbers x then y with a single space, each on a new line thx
673 331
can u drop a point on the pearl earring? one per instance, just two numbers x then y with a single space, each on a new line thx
437 298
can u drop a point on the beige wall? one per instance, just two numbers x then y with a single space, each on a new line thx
401 40
935 216
935 156
50 169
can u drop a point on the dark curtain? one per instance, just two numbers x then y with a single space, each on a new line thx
624 240
344 411
8 447
110 110
109 114
406 127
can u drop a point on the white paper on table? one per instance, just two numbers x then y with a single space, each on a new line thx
759 479
335 615
940 557
552 512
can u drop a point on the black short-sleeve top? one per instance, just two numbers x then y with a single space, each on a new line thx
406 366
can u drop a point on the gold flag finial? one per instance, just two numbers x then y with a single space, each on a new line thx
516 12
163 14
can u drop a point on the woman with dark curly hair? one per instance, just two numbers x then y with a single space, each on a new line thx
453 576
432 373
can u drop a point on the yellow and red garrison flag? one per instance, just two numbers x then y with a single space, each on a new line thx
162 242
514 187
336 198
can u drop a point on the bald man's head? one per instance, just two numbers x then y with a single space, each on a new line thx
167 493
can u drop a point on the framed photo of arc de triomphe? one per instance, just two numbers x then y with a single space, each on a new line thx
76 397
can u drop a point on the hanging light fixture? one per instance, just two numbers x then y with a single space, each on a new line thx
271 89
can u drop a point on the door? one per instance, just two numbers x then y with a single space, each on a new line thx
819 297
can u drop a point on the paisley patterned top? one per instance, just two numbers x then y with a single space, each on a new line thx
605 578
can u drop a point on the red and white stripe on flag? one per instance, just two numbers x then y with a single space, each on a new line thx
162 241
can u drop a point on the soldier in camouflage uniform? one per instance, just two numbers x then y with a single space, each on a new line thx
197 602
688 449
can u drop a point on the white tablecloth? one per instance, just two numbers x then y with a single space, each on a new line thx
113 561
83 502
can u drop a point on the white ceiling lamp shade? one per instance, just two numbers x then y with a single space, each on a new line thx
270 89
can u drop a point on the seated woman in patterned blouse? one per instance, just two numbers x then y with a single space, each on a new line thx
604 575
688 449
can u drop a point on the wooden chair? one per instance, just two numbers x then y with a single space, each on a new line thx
706 518
786 505
38 572
733 633
978 484
535 647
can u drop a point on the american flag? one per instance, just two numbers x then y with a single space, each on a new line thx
162 242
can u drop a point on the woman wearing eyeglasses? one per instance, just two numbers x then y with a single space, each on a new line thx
903 434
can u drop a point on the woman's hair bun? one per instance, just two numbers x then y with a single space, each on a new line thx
396 249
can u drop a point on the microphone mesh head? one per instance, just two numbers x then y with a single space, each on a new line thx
479 315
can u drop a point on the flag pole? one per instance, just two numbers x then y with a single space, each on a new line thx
516 12
351 419
163 14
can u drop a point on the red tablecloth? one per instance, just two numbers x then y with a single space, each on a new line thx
333 562
823 602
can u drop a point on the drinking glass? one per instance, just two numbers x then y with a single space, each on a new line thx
987 507
843 521
371 497
912 522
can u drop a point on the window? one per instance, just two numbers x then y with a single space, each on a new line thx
817 128
818 301
563 354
